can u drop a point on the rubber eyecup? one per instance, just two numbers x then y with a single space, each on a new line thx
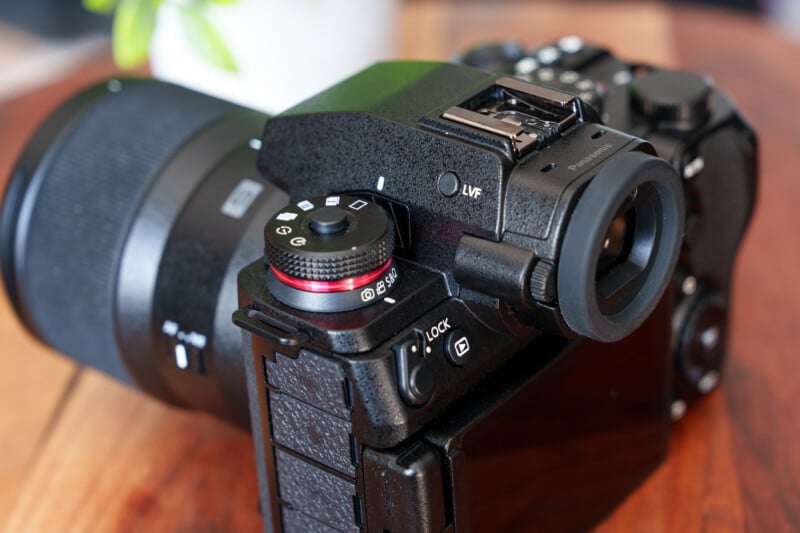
610 302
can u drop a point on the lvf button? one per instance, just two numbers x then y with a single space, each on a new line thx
457 347
448 184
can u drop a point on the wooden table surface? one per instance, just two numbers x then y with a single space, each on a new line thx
80 452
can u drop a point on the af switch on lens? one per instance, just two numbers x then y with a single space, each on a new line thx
330 254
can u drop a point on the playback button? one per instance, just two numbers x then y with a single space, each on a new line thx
457 347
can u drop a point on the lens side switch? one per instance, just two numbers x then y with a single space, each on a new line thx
415 378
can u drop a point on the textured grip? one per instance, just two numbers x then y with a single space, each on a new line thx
80 201
310 438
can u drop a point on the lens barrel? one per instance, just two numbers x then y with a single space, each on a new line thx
118 247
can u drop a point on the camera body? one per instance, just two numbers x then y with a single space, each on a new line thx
503 192
485 289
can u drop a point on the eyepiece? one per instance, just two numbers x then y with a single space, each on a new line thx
618 241
620 246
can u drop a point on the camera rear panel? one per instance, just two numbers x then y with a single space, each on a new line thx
386 369
320 477
349 402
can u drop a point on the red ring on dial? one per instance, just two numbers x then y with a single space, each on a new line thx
341 285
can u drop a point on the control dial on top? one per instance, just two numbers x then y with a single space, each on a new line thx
676 99
330 254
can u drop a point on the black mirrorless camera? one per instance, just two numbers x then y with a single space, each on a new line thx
471 298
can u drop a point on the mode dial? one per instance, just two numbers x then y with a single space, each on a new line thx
675 99
330 254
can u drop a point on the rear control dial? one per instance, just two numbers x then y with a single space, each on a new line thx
674 99
330 254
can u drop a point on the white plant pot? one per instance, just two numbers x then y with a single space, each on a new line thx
286 50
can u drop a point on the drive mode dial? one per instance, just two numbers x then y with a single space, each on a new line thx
330 254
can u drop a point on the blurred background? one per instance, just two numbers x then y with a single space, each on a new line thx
317 41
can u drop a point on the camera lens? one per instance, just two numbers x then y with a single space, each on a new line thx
620 246
124 226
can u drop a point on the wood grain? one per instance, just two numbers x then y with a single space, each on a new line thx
34 386
119 461
761 387
79 452
437 30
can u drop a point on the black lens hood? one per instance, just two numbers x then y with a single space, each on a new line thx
584 236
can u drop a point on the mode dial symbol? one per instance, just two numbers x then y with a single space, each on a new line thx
325 256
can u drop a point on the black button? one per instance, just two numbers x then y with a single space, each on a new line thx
421 380
188 357
457 347
328 221
448 184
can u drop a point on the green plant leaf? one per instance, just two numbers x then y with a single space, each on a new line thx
134 22
205 38
101 7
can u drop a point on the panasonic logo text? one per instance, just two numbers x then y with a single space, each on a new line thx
591 157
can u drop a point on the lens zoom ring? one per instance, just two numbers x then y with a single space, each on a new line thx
92 188
347 265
